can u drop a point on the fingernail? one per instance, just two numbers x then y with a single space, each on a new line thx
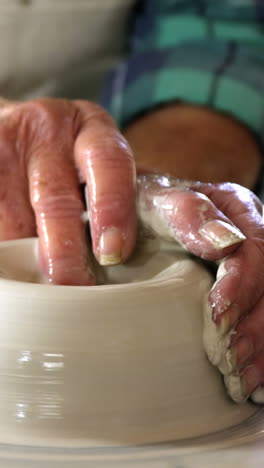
224 325
110 246
244 389
221 234
225 319
250 380
242 349
231 357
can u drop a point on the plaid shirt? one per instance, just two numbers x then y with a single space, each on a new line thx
207 52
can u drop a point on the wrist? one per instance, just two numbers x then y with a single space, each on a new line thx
195 143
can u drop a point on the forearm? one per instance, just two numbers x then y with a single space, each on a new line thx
195 143
174 58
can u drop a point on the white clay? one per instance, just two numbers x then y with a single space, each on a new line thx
111 364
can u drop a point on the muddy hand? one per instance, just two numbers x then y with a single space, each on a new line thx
217 221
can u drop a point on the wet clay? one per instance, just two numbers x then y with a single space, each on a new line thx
110 364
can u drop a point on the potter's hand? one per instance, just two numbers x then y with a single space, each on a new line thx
208 220
47 148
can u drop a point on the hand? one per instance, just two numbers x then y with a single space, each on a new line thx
47 149
215 221
196 143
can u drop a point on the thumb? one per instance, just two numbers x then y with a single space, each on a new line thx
188 217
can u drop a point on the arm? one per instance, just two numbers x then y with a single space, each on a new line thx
196 144
215 69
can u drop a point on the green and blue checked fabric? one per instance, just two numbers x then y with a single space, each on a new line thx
206 52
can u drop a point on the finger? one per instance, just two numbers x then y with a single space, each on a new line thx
240 279
58 208
252 377
16 215
237 203
56 200
248 339
239 286
107 165
189 217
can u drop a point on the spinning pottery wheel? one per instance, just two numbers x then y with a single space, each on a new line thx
114 373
